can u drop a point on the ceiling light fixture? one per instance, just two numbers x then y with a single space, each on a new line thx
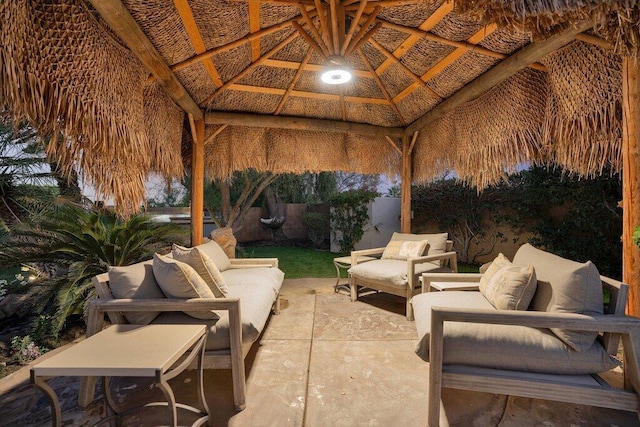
336 72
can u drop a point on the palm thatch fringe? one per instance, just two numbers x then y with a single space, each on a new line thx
616 21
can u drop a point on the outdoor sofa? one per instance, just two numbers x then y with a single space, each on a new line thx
536 328
402 262
132 294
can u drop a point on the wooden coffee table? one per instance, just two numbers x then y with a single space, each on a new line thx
130 351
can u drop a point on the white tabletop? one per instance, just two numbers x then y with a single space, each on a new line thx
347 259
124 350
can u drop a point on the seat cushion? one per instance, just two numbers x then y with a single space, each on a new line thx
136 281
564 286
392 271
518 348
180 280
256 301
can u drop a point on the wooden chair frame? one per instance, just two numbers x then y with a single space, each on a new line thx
542 386
232 358
412 287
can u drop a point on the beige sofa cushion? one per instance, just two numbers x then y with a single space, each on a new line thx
204 266
180 280
135 282
216 254
518 348
564 286
508 286
404 249
392 271
257 289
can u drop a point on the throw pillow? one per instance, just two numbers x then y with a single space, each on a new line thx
497 264
135 282
216 253
203 265
404 249
180 280
511 288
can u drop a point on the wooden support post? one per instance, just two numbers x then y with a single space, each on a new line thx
630 182
405 197
197 184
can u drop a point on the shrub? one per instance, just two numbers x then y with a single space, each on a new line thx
349 215
317 225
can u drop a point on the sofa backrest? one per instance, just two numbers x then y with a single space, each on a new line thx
566 286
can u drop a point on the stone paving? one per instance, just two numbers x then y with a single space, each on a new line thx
324 361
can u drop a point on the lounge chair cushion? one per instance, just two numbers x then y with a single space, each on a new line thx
392 270
518 348
216 253
507 286
256 301
437 242
179 280
404 249
204 266
136 282
564 286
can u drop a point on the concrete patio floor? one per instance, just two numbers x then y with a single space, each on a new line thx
324 361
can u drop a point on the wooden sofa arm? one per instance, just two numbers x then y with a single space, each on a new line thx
253 262
451 256
365 252
427 278
98 307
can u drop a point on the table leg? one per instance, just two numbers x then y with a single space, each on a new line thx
171 400
56 413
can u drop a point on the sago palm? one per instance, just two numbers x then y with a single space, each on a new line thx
79 244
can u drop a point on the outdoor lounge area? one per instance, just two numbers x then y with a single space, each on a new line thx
113 93
323 361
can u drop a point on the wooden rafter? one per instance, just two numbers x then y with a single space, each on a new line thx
293 82
335 26
217 132
308 67
323 22
232 45
415 77
343 105
596 41
500 72
393 144
414 139
352 29
362 34
447 60
314 30
433 37
381 86
189 22
409 42
281 122
309 39
251 67
122 23
310 95
254 27
389 3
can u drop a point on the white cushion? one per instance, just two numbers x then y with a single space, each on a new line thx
392 271
510 287
135 282
216 253
404 249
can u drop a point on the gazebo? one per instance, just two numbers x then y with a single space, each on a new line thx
126 87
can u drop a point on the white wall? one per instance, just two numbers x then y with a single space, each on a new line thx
384 219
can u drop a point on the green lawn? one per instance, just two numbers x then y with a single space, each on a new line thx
306 262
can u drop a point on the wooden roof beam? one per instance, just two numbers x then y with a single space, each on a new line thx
294 81
189 23
122 23
281 122
458 44
383 89
310 95
254 27
278 63
518 61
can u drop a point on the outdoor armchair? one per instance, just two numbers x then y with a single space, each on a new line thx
398 270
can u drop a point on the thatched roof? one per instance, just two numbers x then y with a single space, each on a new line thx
72 70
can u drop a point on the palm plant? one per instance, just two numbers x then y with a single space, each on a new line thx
79 244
